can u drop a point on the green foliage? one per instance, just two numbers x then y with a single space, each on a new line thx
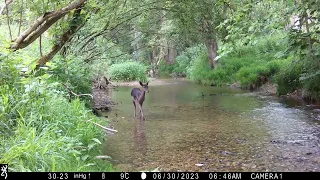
182 63
39 129
257 74
288 78
186 58
199 68
165 70
217 77
304 44
250 20
127 71
272 46
48 133
196 22
72 71
42 131
250 64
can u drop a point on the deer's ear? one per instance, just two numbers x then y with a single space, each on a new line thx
140 83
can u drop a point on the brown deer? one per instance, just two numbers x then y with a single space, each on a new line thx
138 97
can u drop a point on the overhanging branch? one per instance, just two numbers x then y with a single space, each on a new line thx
42 24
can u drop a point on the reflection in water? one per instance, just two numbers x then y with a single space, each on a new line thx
140 139
228 131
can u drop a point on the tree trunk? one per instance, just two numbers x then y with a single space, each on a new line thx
66 37
212 47
154 61
166 50
310 43
42 24
137 45
172 54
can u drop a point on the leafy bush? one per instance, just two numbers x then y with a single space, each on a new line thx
72 70
217 77
288 78
249 64
199 68
182 64
252 74
184 60
127 71
165 70
39 129
257 73
42 131
267 45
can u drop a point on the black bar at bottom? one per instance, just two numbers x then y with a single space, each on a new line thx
160 175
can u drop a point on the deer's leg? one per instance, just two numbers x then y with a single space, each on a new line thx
141 112
134 111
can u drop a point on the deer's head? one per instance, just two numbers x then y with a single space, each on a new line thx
145 87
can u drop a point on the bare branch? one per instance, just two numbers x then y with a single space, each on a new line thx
66 37
40 46
8 19
105 29
42 24
5 7
20 19
72 93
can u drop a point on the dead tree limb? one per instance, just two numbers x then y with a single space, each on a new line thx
71 93
66 37
5 7
20 19
42 24
8 18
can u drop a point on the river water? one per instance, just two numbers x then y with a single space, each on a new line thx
190 127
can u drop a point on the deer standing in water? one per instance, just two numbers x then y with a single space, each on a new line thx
138 97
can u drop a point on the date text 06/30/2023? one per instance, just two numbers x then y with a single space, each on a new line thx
226 175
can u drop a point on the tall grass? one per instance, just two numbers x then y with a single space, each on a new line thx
41 131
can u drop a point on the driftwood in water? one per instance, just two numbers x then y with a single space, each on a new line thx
101 99
105 128
102 82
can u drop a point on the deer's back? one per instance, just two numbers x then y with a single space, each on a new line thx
135 92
